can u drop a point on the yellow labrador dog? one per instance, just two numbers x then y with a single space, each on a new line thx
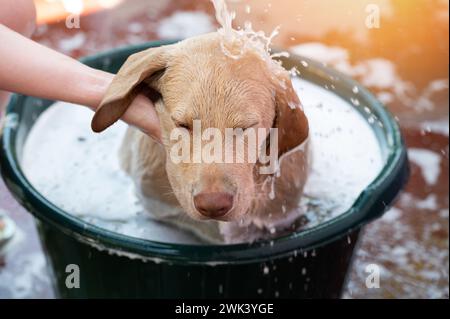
195 80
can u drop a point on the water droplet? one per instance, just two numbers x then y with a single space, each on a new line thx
355 101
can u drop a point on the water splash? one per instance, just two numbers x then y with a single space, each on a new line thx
237 42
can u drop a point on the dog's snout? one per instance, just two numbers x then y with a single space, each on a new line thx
213 205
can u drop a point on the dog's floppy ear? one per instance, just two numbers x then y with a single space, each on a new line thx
126 85
292 124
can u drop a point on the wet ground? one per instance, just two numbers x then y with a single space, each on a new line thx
404 62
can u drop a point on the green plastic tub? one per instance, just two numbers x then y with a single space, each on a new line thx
307 264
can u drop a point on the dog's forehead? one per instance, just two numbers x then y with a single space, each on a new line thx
211 72
206 53
202 82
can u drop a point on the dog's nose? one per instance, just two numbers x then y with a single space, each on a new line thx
213 205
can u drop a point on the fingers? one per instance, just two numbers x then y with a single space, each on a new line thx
142 114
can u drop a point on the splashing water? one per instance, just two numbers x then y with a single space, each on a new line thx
238 42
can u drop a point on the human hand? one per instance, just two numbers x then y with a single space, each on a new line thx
142 115
32 69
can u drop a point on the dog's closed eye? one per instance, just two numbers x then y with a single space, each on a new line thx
247 121
253 124
184 125
181 123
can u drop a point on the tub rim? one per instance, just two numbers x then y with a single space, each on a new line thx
371 203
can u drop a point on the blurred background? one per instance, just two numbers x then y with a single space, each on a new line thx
403 58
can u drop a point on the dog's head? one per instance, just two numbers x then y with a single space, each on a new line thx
197 84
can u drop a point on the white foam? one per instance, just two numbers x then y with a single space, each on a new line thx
429 163
320 52
185 24
72 43
379 74
78 170
438 127
346 155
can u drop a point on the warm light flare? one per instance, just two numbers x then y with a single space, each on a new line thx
73 6
49 11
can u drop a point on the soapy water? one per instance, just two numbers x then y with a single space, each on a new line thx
79 171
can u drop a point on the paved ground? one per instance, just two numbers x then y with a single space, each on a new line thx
404 62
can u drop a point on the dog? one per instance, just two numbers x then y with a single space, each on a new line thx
195 80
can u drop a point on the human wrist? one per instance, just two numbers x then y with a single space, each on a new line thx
94 86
